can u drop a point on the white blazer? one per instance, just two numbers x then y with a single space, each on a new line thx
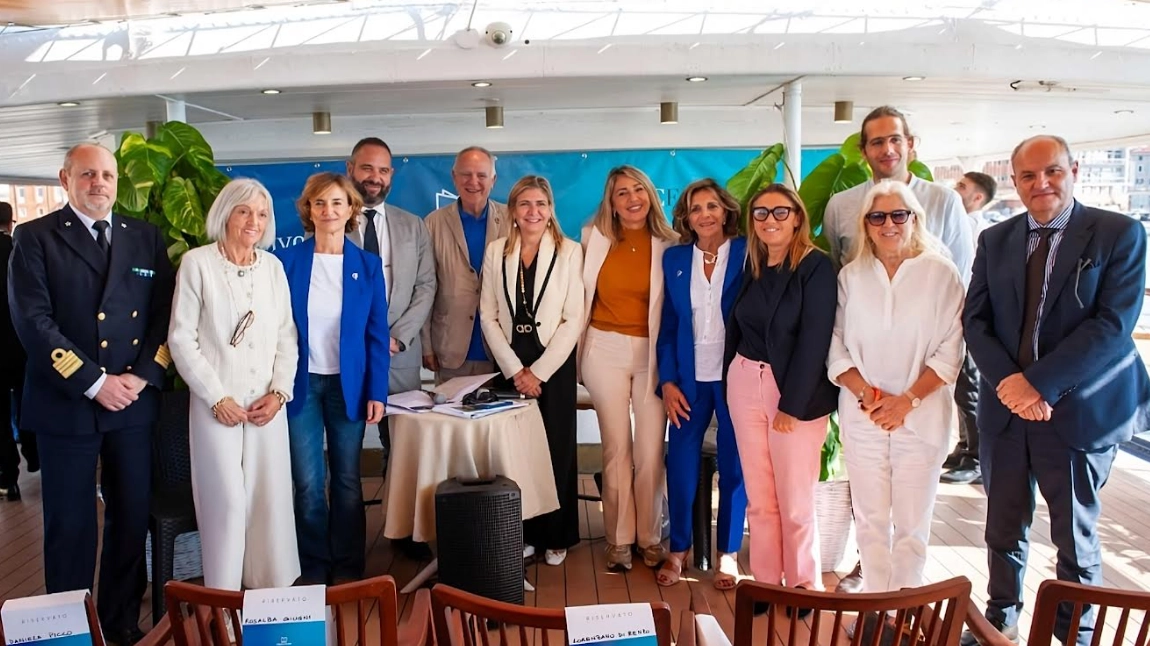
595 248
559 317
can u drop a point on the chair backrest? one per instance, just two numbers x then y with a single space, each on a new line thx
198 614
928 616
465 619
93 623
1132 609
171 452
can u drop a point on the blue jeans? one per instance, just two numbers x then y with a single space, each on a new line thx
331 541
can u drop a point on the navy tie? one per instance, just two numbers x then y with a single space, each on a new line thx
370 234
101 228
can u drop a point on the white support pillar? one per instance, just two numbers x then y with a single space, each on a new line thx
177 110
792 131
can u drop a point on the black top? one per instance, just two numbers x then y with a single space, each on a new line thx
751 314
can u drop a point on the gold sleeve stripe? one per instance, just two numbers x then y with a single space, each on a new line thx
66 362
163 356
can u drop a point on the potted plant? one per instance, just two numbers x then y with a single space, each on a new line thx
841 170
170 180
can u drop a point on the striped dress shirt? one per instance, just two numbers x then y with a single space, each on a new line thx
1033 237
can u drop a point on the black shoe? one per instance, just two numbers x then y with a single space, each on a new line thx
412 550
966 472
801 613
1009 632
952 460
11 492
852 582
124 637
761 608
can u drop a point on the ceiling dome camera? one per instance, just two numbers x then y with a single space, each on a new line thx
499 34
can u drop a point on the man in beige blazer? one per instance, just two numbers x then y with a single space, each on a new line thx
452 340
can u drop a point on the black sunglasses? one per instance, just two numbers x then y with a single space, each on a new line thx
761 213
878 218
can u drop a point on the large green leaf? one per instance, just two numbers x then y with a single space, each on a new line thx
190 150
921 170
128 141
134 186
763 170
176 251
210 187
851 150
182 206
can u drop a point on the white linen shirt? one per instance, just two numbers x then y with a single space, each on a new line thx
707 314
209 301
894 329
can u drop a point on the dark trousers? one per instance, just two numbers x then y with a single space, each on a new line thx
9 455
331 540
559 529
966 400
1024 454
69 495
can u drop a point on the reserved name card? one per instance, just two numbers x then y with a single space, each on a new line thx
285 616
59 619
629 624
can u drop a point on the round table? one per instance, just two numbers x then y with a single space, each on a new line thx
428 448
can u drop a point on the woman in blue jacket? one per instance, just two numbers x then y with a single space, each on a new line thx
339 303
701 279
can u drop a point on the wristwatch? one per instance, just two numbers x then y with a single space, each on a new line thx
915 402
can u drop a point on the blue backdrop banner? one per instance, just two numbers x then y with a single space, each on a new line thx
423 183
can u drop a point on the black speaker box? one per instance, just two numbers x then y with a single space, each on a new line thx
479 529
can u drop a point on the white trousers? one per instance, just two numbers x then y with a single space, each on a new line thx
242 487
615 373
893 479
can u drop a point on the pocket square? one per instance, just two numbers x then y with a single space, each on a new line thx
143 273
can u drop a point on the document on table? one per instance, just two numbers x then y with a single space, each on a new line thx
454 390
410 402
475 411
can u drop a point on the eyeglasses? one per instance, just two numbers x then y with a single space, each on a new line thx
242 326
781 213
878 218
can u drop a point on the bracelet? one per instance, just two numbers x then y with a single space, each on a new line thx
280 396
216 406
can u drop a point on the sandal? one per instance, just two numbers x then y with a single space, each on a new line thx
672 570
727 573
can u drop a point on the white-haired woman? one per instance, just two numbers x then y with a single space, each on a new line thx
234 343
623 307
895 352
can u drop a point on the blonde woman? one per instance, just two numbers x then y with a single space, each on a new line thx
778 336
623 285
531 310
896 351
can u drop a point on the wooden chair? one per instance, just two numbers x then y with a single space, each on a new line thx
93 623
1052 593
196 615
928 616
465 619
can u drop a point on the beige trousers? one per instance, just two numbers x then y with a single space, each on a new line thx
615 374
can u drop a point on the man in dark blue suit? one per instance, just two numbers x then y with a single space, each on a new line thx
90 293
1062 383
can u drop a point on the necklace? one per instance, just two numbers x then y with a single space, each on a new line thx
523 293
247 316
710 258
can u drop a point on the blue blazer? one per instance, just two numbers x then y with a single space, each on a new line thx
800 322
364 338
1088 368
675 347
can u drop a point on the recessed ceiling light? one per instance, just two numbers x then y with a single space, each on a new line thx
481 84
696 79
913 78
68 104
270 91
1124 111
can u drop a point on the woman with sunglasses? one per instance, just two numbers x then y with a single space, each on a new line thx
897 350
339 303
234 343
700 279
777 341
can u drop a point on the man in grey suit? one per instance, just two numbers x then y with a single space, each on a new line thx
401 241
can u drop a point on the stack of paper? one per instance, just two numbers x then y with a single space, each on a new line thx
475 411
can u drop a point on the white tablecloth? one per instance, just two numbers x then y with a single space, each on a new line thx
428 448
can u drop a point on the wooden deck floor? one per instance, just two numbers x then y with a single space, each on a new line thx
956 549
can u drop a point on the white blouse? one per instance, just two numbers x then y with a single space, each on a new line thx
324 314
210 300
707 313
894 329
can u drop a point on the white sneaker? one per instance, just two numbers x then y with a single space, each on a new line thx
555 557
528 551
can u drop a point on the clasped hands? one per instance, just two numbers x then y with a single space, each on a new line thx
886 411
229 413
527 383
1016 393
119 391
